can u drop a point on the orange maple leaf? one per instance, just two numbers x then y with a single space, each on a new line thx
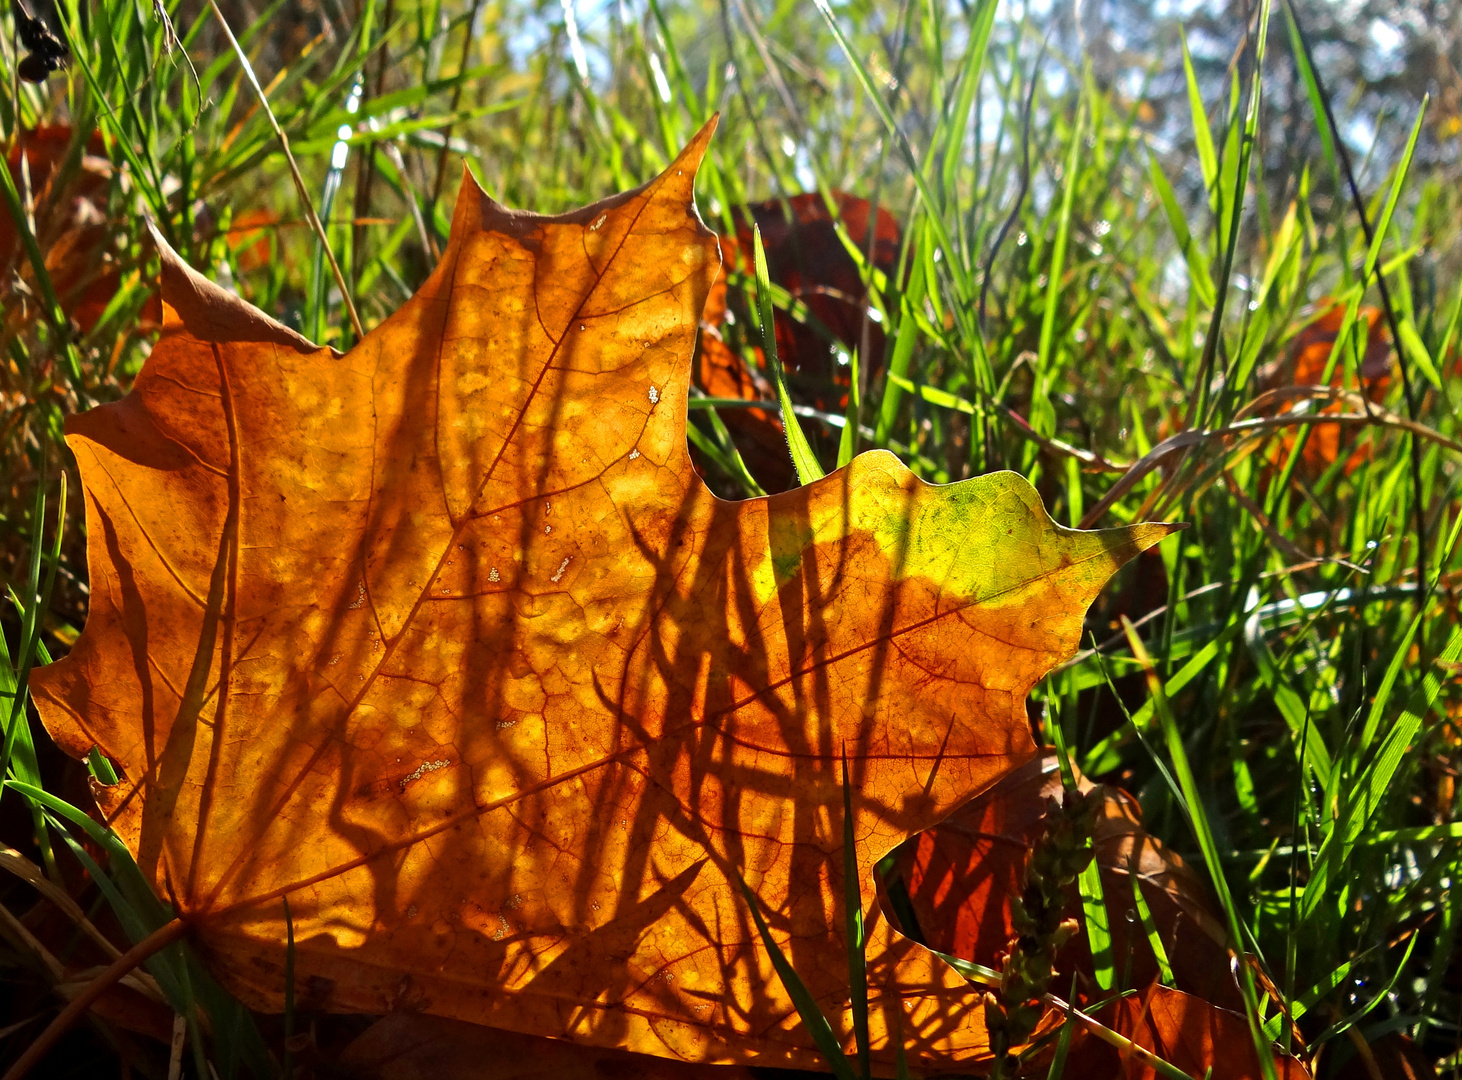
445 642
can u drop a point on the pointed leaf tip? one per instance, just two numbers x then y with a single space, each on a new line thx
694 151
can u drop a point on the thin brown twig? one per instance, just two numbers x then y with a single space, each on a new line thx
436 188
133 958
1094 460
294 171
1184 439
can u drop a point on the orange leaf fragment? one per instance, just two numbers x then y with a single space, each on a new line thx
444 641
1311 352
251 236
70 211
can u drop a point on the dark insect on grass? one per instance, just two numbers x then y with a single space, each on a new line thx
47 53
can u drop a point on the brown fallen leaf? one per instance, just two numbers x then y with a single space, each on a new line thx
445 642
962 876
1393 1056
1182 1029
1313 344
70 221
805 257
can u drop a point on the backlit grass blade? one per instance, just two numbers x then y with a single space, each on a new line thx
1063 1047
1042 416
1296 715
1454 319
1312 91
1400 658
896 133
972 69
812 1016
1371 787
1149 927
849 440
1340 1026
1303 1003
853 927
1393 194
906 338
1231 204
1088 881
1202 134
1198 275
803 459
1099 760
1198 816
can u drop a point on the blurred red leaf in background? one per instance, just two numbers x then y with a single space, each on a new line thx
807 258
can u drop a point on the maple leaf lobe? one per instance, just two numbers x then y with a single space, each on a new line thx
445 641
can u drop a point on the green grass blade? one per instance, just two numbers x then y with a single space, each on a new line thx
1371 787
1202 134
1149 927
803 459
982 23
1088 882
1393 194
1198 275
897 134
855 940
37 603
1312 91
812 1017
906 337
1042 415
1400 658
1296 714
1198 816
1340 1026
1063 1047
853 418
